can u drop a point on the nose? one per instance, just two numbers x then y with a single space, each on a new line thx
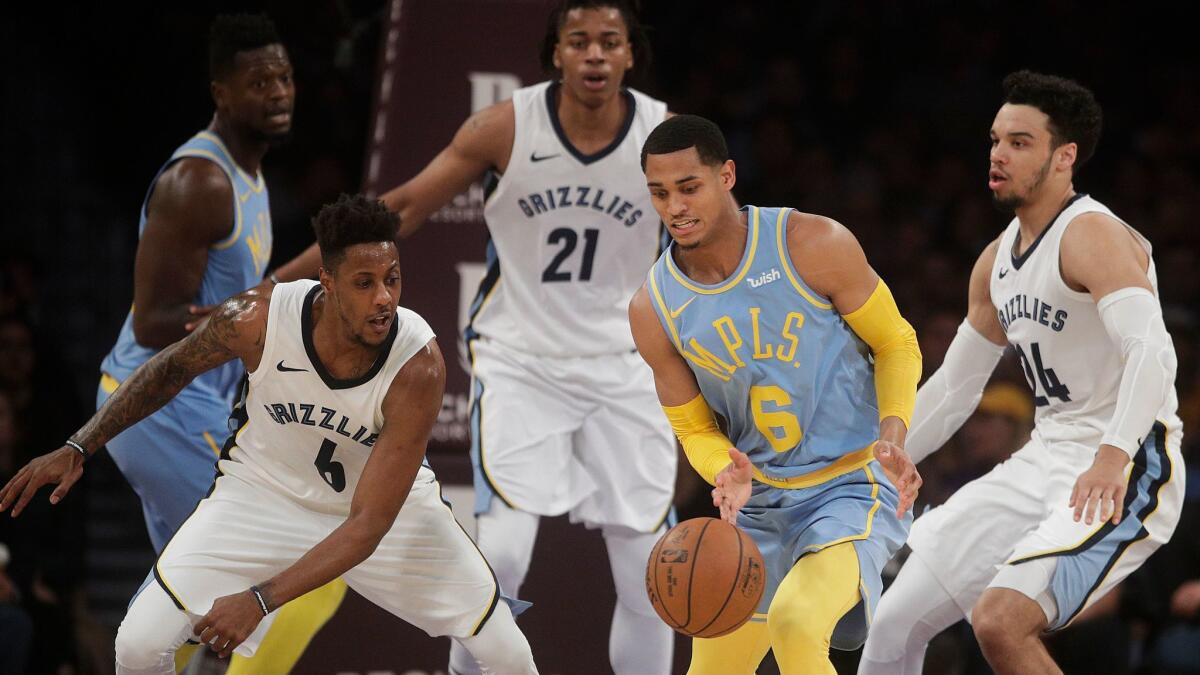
676 205
997 155
595 52
383 296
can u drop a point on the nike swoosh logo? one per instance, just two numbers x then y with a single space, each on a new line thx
679 310
244 196
1003 272
284 369
534 158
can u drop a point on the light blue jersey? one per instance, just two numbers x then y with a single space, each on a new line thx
235 263
169 458
779 363
771 356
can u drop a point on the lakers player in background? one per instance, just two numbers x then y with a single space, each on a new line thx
1028 546
563 416
757 314
325 476
205 234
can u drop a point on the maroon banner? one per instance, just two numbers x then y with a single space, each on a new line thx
441 61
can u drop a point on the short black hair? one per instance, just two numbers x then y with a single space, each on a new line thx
232 33
352 219
1075 116
687 131
639 43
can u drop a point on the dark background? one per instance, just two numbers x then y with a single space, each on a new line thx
874 113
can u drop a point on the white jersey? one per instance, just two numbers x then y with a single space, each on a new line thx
1069 359
303 433
572 235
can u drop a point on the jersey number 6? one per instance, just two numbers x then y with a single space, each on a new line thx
331 471
781 428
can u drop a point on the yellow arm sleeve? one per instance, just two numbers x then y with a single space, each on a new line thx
897 356
707 449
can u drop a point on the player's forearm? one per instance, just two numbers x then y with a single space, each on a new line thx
706 448
897 355
1134 321
351 543
303 266
161 327
147 389
952 393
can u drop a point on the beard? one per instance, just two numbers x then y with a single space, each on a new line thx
1009 205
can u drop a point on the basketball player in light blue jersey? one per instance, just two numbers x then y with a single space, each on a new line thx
759 314
205 235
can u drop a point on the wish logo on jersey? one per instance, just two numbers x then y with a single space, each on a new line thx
313 415
580 197
1020 307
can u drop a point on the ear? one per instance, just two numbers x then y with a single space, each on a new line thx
326 279
556 59
218 92
728 175
1067 154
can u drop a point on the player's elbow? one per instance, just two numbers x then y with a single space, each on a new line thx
365 530
153 333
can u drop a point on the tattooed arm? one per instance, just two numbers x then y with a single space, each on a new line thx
235 330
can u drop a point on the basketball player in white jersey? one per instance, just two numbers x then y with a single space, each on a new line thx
564 416
1027 547
325 476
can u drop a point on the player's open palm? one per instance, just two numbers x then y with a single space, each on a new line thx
63 467
733 486
899 468
230 621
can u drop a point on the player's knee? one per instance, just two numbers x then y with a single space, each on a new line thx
993 629
140 650
795 622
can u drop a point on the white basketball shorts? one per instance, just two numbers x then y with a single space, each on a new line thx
991 532
581 435
426 570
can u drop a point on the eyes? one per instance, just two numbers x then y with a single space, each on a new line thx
365 283
608 43
262 83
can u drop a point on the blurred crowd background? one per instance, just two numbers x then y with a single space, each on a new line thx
873 113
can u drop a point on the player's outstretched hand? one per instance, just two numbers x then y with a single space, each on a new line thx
1103 485
230 621
62 467
901 471
733 486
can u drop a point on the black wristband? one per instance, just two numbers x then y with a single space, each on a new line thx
78 448
262 604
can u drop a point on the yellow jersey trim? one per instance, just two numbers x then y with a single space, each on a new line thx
237 203
785 259
843 465
212 444
256 185
732 281
662 305
108 383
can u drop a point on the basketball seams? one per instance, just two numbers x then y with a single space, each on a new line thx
692 569
732 587
652 565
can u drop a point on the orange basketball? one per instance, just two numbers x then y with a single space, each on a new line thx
705 577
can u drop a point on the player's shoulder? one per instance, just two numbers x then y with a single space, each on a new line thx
488 133
240 321
195 179
1094 229
813 234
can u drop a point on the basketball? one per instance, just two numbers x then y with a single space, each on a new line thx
705 577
